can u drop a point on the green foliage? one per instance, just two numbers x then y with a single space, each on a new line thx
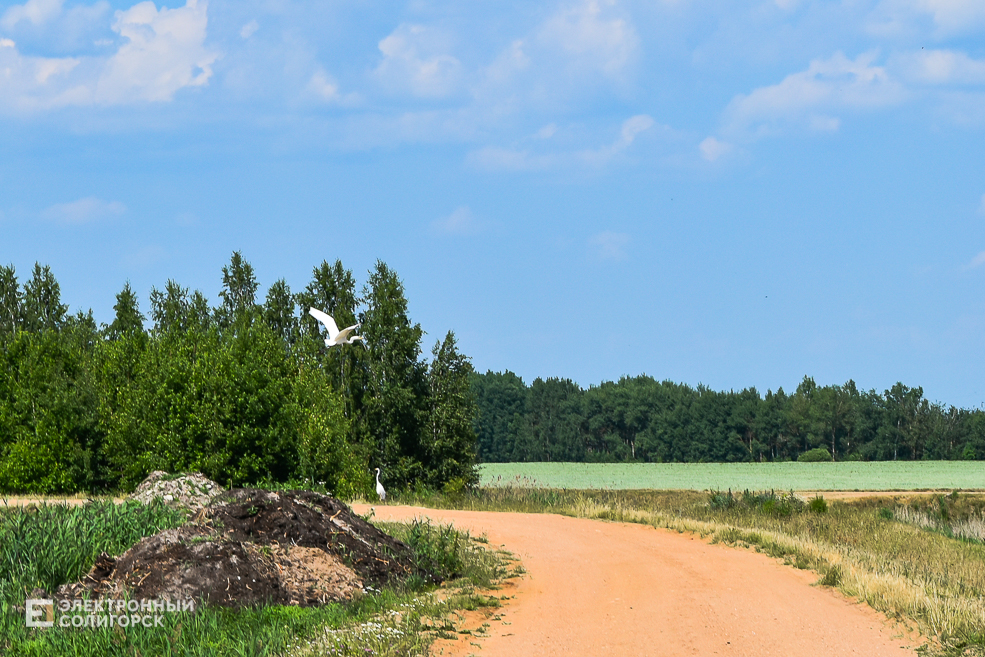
238 294
500 399
641 419
128 320
769 503
831 577
42 546
10 303
449 553
41 306
455 486
241 392
49 425
437 549
721 501
279 312
396 390
818 505
450 447
238 409
816 455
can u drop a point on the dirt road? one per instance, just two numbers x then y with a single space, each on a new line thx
600 588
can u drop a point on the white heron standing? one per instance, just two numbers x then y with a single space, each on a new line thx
335 336
379 487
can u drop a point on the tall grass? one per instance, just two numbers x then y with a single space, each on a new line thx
48 546
930 578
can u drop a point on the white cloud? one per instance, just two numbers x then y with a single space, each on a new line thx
163 51
83 211
249 29
508 63
415 61
977 261
37 12
525 159
324 87
953 15
824 123
712 149
631 128
909 18
591 40
583 48
144 258
940 67
496 158
608 245
459 222
837 83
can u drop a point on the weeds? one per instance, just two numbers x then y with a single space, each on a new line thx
51 545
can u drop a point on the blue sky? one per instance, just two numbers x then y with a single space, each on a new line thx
735 194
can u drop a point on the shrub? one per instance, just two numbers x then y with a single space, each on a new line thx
772 503
816 455
768 503
832 576
720 500
818 505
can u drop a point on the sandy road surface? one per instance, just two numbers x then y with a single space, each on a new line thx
603 588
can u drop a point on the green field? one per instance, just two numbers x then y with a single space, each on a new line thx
854 475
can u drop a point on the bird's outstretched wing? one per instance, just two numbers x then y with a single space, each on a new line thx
344 333
327 320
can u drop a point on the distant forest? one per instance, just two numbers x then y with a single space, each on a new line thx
642 419
245 392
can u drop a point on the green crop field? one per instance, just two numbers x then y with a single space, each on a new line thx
876 475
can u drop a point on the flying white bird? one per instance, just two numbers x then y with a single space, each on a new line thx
335 336
379 487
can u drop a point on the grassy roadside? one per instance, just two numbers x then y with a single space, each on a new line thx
46 546
929 575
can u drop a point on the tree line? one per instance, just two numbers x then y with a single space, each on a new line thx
642 419
244 391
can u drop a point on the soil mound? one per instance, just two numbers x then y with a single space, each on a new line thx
192 491
251 546
309 519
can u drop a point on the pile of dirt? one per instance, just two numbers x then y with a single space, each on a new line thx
251 546
191 491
